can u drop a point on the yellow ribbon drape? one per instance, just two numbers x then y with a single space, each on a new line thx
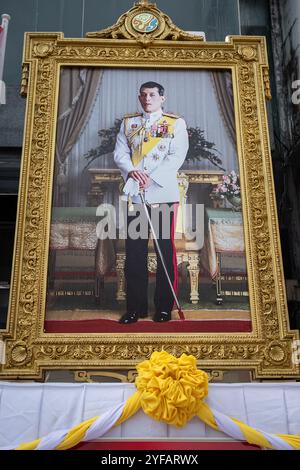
169 389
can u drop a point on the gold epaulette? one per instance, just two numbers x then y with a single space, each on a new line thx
132 115
171 115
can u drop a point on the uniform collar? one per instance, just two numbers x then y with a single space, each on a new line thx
152 117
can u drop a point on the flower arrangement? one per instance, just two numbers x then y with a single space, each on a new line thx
228 188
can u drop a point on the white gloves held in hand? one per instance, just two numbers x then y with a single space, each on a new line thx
131 188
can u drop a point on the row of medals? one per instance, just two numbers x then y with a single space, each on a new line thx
158 130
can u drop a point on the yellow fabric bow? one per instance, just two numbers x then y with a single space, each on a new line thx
172 388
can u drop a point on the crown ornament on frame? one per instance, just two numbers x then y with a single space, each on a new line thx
144 22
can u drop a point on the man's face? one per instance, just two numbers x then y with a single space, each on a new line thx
151 100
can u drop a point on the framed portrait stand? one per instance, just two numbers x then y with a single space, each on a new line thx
144 43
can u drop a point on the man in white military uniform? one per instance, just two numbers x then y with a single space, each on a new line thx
150 148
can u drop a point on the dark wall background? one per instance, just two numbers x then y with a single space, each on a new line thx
217 18
76 17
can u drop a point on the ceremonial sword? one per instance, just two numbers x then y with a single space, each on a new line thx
180 312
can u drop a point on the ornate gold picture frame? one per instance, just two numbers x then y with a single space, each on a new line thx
145 38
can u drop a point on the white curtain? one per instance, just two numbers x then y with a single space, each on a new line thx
189 94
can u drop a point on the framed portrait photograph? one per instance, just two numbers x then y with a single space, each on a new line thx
146 217
86 288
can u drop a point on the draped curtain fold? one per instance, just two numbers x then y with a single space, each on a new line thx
223 88
78 90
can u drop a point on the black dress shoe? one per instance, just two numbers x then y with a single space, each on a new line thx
162 316
131 317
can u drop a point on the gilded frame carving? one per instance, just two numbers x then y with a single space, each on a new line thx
267 350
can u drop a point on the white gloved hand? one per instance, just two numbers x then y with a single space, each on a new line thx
131 187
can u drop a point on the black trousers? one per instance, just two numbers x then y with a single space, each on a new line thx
136 263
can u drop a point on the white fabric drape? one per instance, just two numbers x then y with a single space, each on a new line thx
31 410
189 94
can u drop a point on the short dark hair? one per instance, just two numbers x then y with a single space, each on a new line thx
160 88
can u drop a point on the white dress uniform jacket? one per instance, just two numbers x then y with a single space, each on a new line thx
161 163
